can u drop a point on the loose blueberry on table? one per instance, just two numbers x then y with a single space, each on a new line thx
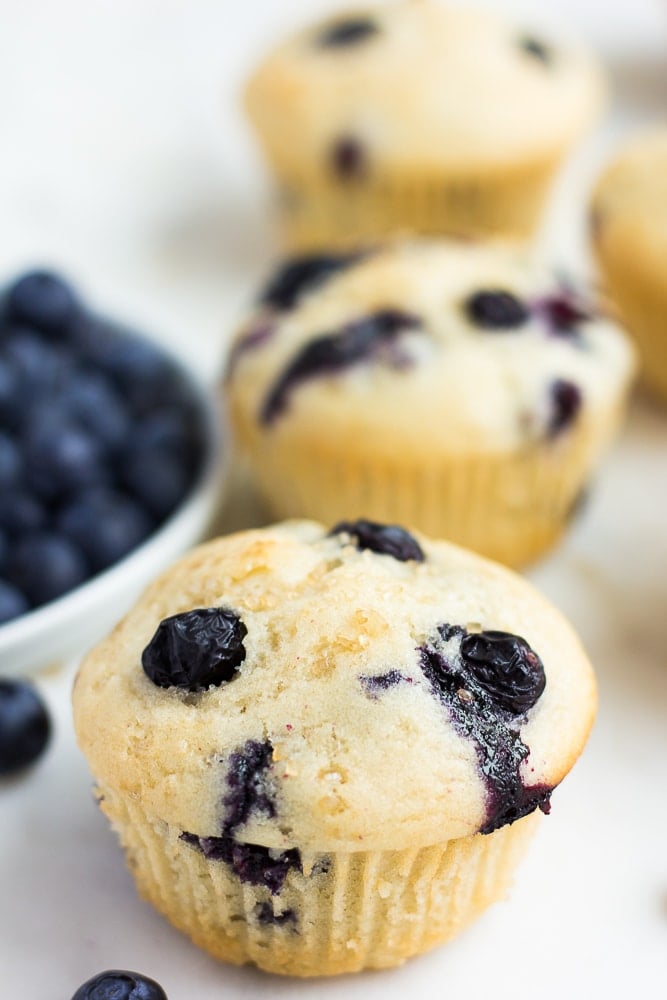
116 984
100 440
25 726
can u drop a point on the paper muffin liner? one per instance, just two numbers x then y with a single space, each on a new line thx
324 212
343 912
509 506
641 300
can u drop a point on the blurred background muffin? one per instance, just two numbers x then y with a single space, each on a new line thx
629 236
451 387
421 117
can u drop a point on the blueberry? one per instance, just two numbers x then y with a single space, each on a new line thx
45 566
20 512
348 158
10 402
4 547
251 863
505 667
495 310
159 480
93 404
385 539
195 649
352 31
40 368
142 374
168 430
266 916
303 274
536 49
117 984
566 402
12 602
10 462
564 313
61 457
334 352
105 524
25 727
248 788
42 299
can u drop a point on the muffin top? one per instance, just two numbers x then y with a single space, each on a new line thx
354 689
420 86
629 208
425 345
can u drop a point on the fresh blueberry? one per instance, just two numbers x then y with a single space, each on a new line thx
566 402
158 479
348 158
12 602
334 352
303 274
93 404
61 458
142 374
40 368
505 667
42 299
116 984
45 566
343 34
20 512
385 539
536 49
4 547
10 462
168 431
10 401
25 727
196 649
105 524
495 310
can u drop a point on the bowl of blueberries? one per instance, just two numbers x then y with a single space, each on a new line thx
110 467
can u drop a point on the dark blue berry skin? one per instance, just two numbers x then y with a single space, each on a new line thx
303 274
20 513
25 726
251 863
248 789
91 402
105 524
536 49
117 984
12 602
496 310
348 159
61 458
11 462
566 402
10 403
41 299
347 33
40 368
195 649
385 539
45 566
334 352
506 667
158 479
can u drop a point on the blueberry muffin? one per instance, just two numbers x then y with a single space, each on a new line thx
325 750
418 117
452 387
629 234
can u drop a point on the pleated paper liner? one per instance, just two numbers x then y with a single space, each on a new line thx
342 913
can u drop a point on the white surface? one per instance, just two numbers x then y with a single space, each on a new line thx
125 159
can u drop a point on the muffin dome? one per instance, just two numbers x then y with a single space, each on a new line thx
362 379
419 105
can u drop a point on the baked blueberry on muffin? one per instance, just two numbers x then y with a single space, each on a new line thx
324 749
447 386
629 234
418 117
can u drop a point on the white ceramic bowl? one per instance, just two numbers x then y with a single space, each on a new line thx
67 627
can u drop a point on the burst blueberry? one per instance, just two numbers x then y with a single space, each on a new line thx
303 274
350 32
117 984
566 402
348 158
25 726
506 668
196 649
385 539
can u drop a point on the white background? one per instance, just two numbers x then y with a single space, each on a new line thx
125 160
